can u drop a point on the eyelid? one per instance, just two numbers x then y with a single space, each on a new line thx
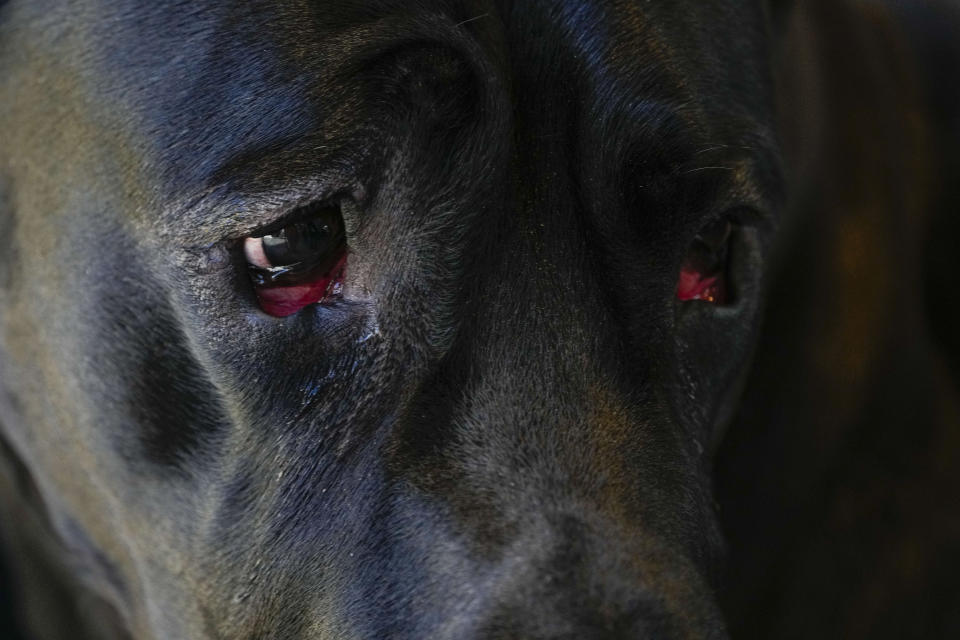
230 216
300 213
716 233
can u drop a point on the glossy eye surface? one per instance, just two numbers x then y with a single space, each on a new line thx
299 264
703 275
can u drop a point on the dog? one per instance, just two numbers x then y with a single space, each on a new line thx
387 319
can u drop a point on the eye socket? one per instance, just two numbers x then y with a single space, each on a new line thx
300 263
703 274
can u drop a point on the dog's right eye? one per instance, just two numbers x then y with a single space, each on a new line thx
300 263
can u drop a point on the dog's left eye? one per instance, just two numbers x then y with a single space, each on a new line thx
299 264
703 275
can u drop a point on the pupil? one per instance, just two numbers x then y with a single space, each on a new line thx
305 243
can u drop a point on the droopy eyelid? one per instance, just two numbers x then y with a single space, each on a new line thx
230 215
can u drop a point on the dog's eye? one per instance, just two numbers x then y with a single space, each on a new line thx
300 263
703 275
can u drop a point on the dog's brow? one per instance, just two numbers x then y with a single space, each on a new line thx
228 211
664 139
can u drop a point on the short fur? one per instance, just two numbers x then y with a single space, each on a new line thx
506 427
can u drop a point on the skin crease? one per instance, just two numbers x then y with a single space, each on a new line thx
501 429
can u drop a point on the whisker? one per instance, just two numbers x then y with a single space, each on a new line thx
707 169
469 20
724 146
709 149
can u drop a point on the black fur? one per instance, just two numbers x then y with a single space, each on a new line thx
503 430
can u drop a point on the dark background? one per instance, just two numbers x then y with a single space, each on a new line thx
838 480
7 629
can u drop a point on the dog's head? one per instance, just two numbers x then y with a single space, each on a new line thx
535 235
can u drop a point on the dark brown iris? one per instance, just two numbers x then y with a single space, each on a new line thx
300 251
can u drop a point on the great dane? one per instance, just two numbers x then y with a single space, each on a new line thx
381 319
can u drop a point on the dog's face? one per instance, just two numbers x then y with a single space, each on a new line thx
498 422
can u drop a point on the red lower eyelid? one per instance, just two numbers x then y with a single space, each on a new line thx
695 285
282 301
285 300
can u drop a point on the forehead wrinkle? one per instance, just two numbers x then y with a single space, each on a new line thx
625 60
631 63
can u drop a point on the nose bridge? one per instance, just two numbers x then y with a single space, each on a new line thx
539 289
544 346
541 389
551 453
581 580
544 410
